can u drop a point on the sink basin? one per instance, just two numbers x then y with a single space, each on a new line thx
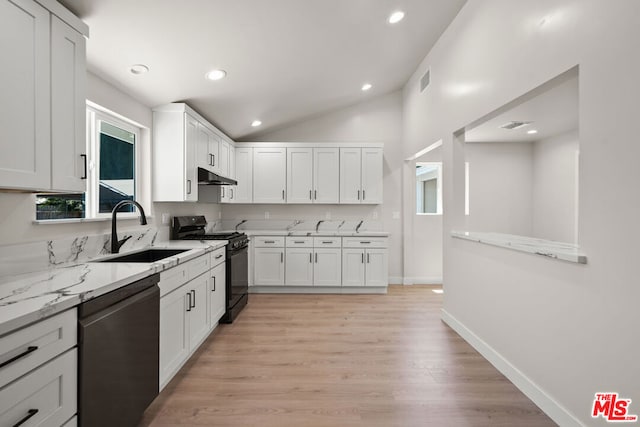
149 255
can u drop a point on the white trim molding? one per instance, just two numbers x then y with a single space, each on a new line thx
421 280
544 401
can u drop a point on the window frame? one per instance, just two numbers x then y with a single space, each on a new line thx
439 200
96 115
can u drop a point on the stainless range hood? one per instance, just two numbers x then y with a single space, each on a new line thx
206 177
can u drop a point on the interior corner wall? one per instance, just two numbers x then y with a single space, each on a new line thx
555 192
377 119
561 331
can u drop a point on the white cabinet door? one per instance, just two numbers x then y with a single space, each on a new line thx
243 192
217 293
268 267
223 161
269 175
299 267
372 175
326 175
191 166
25 101
353 267
198 296
214 153
232 162
174 334
327 267
350 175
299 175
68 108
376 267
205 147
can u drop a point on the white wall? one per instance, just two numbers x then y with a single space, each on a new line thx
374 120
560 330
500 187
555 192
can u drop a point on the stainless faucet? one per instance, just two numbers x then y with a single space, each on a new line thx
240 223
359 225
318 224
115 243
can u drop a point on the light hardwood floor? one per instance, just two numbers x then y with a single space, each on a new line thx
341 360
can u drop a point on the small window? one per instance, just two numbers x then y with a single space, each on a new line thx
112 149
429 188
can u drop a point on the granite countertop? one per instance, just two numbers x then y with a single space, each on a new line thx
548 248
29 297
313 233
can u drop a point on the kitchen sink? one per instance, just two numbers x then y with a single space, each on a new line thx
148 255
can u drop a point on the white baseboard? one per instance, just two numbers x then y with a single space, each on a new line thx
422 280
256 289
545 402
396 280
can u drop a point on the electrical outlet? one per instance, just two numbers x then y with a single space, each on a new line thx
266 215
375 214
327 215
396 214
165 218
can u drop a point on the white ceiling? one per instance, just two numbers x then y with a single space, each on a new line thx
286 59
553 109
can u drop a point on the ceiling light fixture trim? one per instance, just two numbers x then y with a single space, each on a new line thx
217 74
366 87
396 17
256 123
137 69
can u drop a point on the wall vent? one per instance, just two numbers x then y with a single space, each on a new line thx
515 125
425 80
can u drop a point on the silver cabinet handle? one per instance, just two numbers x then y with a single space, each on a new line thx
223 192
298 241
269 241
194 298
364 242
214 284
281 257
363 195
315 194
316 257
219 256
327 242
310 257
362 255
282 194
368 259
84 160
188 186
213 156
358 194
310 194
189 303
231 193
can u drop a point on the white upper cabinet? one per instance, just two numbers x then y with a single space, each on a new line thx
299 175
326 175
312 175
269 175
243 192
40 53
206 147
222 162
191 144
68 108
361 175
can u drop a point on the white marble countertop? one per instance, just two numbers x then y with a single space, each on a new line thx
548 248
26 298
313 233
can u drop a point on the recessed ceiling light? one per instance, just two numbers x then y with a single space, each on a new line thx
216 75
256 123
532 132
138 69
396 17
366 87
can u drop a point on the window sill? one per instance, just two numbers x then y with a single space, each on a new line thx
79 220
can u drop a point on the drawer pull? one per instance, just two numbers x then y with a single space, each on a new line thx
219 256
189 303
29 349
30 414
298 241
364 243
194 298
327 242
269 241
214 284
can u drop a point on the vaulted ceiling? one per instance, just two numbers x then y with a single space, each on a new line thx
286 60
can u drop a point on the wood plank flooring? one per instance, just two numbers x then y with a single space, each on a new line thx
343 361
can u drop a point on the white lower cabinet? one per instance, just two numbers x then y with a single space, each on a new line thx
217 293
376 267
364 267
352 267
269 266
327 270
197 297
46 396
174 334
299 267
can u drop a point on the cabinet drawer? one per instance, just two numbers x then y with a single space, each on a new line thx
29 347
327 242
173 278
218 256
299 242
45 397
268 242
364 242
198 266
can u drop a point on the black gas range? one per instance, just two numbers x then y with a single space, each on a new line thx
237 265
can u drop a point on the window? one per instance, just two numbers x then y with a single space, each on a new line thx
429 188
112 149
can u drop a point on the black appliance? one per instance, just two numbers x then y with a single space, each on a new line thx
118 335
237 264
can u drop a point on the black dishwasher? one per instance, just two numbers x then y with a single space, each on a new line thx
118 338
